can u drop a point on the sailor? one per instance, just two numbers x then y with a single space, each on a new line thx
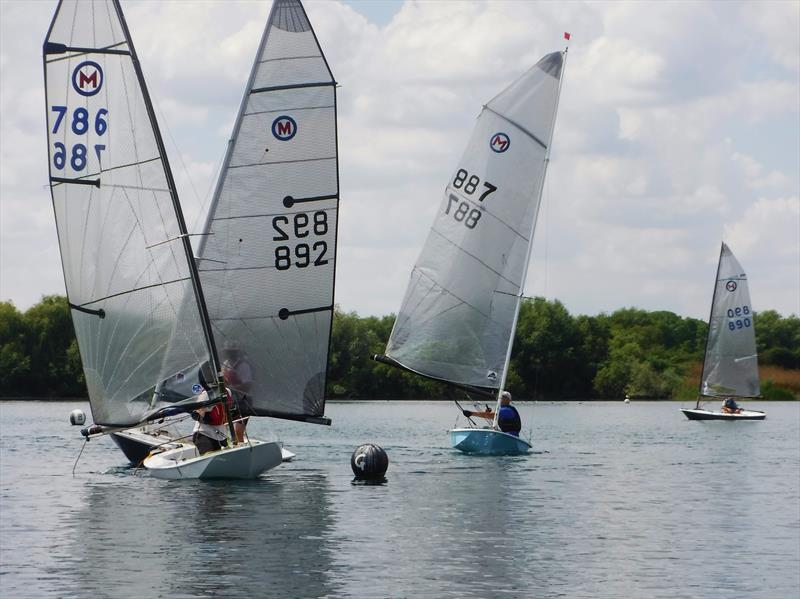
238 375
729 406
508 419
209 427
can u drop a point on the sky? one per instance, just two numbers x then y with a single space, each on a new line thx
678 128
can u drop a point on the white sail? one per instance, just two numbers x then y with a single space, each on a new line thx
731 361
457 317
123 246
267 259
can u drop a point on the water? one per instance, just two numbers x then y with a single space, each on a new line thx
618 501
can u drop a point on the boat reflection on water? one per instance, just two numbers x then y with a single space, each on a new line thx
244 538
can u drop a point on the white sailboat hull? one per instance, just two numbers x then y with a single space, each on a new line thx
137 443
487 441
700 414
244 461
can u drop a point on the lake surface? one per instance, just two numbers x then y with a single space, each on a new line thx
617 501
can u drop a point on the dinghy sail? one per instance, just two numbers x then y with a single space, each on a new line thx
267 258
125 252
730 364
457 319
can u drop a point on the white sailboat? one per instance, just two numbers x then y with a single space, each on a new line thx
730 364
460 310
141 313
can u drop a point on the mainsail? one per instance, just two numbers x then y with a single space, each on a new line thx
458 315
267 259
124 248
730 367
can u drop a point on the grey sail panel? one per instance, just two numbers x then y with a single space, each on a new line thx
126 271
456 317
731 361
267 263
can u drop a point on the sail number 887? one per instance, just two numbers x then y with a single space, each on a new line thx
461 209
301 225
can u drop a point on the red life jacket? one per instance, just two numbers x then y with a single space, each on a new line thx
216 416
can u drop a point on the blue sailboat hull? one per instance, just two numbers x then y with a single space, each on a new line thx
486 441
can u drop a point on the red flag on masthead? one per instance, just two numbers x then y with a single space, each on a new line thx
566 35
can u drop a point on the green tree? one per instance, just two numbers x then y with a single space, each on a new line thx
52 335
778 339
16 376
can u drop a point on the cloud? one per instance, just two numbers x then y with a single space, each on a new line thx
678 126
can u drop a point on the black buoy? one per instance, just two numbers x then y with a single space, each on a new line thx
369 462
77 417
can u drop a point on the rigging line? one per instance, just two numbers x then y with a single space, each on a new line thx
451 190
282 162
473 256
134 290
281 213
80 453
138 172
543 201
287 109
518 126
409 313
203 212
267 267
286 58
450 293
165 122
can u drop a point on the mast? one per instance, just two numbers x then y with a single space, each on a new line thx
184 235
708 333
504 377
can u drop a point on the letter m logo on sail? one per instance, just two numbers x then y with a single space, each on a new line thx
84 80
499 142
87 78
284 128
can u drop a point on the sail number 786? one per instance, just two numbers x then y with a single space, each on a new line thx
81 124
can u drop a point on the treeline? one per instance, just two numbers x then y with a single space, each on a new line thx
556 355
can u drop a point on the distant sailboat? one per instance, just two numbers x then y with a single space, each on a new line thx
458 317
144 320
730 365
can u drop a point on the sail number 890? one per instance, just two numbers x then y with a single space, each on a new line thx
741 316
300 255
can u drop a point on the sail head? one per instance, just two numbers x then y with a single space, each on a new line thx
731 360
456 319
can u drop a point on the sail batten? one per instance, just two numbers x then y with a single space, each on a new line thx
457 318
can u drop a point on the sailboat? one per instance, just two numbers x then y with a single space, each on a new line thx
730 364
457 320
149 315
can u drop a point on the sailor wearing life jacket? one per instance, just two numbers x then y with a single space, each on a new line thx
508 419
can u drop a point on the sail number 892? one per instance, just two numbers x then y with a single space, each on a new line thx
300 226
